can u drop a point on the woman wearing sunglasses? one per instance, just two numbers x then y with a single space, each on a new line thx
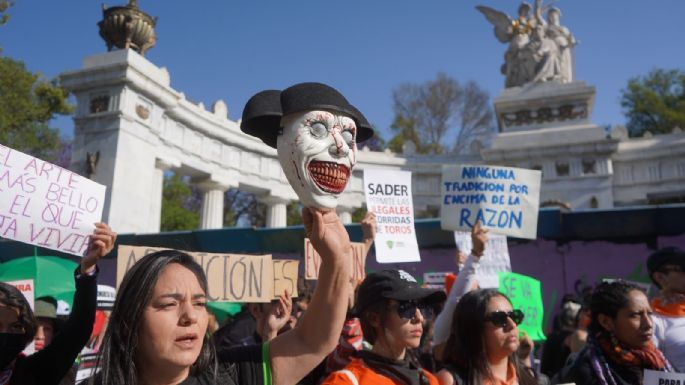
619 346
482 347
391 307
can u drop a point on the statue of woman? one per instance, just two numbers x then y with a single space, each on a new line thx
565 43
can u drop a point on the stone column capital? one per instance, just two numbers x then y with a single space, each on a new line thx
207 185
271 200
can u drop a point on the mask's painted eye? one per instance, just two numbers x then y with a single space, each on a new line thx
318 130
347 136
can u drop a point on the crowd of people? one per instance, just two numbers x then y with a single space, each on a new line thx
386 329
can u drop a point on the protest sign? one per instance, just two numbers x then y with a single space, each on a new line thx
27 288
505 199
495 259
46 205
389 197
435 280
653 377
285 276
231 277
312 261
524 293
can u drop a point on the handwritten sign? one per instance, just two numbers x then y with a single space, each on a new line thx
285 276
495 259
28 290
46 205
312 261
653 377
231 277
505 199
389 197
524 293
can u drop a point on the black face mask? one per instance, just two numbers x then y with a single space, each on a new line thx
11 345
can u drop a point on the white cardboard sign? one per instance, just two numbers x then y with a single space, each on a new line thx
495 259
653 377
389 197
46 205
27 288
505 199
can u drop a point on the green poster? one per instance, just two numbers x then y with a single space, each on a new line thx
525 294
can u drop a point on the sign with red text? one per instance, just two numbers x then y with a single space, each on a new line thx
312 261
389 197
46 205
495 258
28 290
231 277
504 199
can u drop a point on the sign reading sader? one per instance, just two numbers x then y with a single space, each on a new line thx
525 295
312 261
504 199
388 196
231 277
495 259
653 377
46 205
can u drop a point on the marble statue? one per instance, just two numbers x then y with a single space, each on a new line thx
539 50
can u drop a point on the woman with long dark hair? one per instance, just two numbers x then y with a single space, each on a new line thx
482 347
18 324
157 331
619 345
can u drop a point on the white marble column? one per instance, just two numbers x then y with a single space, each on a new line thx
345 214
276 211
155 218
212 215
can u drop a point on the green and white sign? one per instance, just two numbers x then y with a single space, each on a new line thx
525 294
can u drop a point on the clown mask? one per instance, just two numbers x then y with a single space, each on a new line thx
317 151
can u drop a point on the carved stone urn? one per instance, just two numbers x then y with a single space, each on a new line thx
128 27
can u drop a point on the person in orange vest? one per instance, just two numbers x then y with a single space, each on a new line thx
392 308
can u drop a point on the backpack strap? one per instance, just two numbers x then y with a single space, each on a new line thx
350 376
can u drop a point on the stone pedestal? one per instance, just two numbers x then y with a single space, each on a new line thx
548 126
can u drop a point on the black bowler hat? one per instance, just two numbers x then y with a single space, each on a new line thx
262 113
393 284
262 116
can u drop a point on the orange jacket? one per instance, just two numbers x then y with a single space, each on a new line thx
365 376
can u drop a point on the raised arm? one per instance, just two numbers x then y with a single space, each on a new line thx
464 283
295 353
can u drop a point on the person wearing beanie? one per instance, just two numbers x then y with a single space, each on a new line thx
666 269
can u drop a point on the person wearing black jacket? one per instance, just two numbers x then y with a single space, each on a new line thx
18 324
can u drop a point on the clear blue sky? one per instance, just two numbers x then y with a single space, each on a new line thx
231 49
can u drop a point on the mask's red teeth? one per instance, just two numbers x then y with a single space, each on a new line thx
329 176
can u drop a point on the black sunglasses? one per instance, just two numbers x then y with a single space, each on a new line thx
407 310
500 318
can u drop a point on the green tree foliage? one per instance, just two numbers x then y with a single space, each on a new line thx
4 17
655 102
27 104
431 113
180 210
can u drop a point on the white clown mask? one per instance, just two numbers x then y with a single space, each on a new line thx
317 151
